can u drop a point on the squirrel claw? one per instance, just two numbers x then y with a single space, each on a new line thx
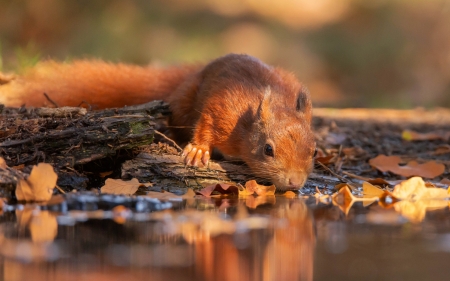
195 156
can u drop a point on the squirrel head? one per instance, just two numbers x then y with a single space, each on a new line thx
282 139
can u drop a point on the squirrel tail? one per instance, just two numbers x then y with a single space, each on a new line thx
97 83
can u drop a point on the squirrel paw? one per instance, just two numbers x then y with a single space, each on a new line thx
194 155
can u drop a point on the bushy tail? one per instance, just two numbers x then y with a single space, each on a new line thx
95 82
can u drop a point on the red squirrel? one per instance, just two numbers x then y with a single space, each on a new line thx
236 103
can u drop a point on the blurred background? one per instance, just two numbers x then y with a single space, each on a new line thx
350 53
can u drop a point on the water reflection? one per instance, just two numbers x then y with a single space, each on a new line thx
224 239
210 239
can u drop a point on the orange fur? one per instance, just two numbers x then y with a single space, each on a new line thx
235 103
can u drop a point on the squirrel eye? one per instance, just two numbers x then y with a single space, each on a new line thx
268 150
315 152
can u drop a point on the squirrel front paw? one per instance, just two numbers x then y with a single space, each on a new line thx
196 155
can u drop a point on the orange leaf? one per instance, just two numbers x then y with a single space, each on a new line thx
253 187
385 163
343 199
118 186
371 191
3 163
39 185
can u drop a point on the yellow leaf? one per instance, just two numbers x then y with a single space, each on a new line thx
344 199
39 185
371 191
415 189
43 227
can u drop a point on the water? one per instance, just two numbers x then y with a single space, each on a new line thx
276 238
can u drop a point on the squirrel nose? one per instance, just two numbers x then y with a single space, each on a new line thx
297 180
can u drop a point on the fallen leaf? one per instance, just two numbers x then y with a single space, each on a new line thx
385 163
3 163
289 194
120 214
39 185
344 199
326 159
118 186
353 152
222 188
445 181
443 149
261 190
371 191
415 189
378 181
410 135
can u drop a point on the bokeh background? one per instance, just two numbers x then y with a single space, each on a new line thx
350 53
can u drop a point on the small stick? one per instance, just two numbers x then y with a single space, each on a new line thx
333 173
50 100
355 176
60 189
169 139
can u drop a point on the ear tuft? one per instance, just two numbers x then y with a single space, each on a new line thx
264 108
302 99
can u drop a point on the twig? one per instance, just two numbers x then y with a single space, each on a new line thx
60 189
355 176
169 139
333 173
50 100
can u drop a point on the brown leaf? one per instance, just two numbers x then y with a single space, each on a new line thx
39 185
105 174
190 193
222 188
385 163
118 186
443 149
326 159
3 163
410 135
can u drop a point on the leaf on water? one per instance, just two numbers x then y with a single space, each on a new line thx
415 189
410 135
428 169
118 186
379 181
372 191
3 163
39 185
338 186
120 214
289 194
344 199
253 187
222 188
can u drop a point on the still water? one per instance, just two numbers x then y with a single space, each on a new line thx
274 238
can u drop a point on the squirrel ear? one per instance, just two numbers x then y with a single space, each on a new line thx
302 99
263 112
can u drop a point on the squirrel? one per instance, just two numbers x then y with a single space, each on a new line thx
237 104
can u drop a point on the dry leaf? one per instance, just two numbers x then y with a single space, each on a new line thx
385 163
39 185
222 188
445 181
344 199
289 194
410 135
415 189
371 191
105 174
443 149
190 193
118 186
3 163
261 190
326 159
